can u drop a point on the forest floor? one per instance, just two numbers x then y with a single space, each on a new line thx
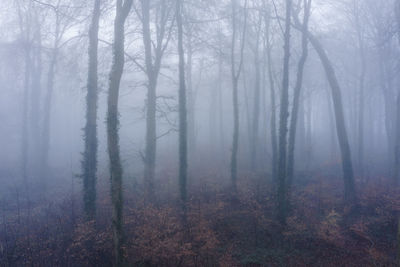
219 230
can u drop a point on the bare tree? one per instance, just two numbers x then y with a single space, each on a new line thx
89 163
268 47
122 11
182 110
283 120
257 92
347 165
297 93
235 72
154 52
25 32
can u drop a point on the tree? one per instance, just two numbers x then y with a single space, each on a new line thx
154 52
268 47
25 31
283 119
182 110
63 20
122 11
297 93
235 73
347 166
89 163
397 146
256 97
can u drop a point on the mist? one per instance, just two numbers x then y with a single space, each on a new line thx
199 133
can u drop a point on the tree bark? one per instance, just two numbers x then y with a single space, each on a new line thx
397 145
235 83
274 142
89 163
25 108
122 12
347 166
182 110
45 144
256 103
152 69
35 115
283 120
151 139
297 93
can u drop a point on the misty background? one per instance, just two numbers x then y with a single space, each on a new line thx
44 69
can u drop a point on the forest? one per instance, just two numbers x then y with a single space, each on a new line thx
199 133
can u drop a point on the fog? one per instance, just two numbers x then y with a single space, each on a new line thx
199 133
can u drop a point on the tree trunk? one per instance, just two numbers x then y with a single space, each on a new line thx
89 163
297 94
283 120
397 145
122 12
35 98
190 97
182 110
152 70
235 83
274 142
256 105
361 110
48 105
151 139
25 108
348 175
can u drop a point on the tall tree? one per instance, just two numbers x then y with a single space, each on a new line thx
347 165
36 88
45 143
235 73
397 146
297 92
154 51
122 11
283 119
268 47
63 19
257 92
363 61
89 163
25 32
182 109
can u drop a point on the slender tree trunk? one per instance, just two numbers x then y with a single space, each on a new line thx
256 105
35 99
220 102
117 68
48 105
25 108
152 70
397 145
297 94
274 142
361 109
348 175
235 83
309 145
283 120
389 106
182 110
151 139
89 162
190 96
